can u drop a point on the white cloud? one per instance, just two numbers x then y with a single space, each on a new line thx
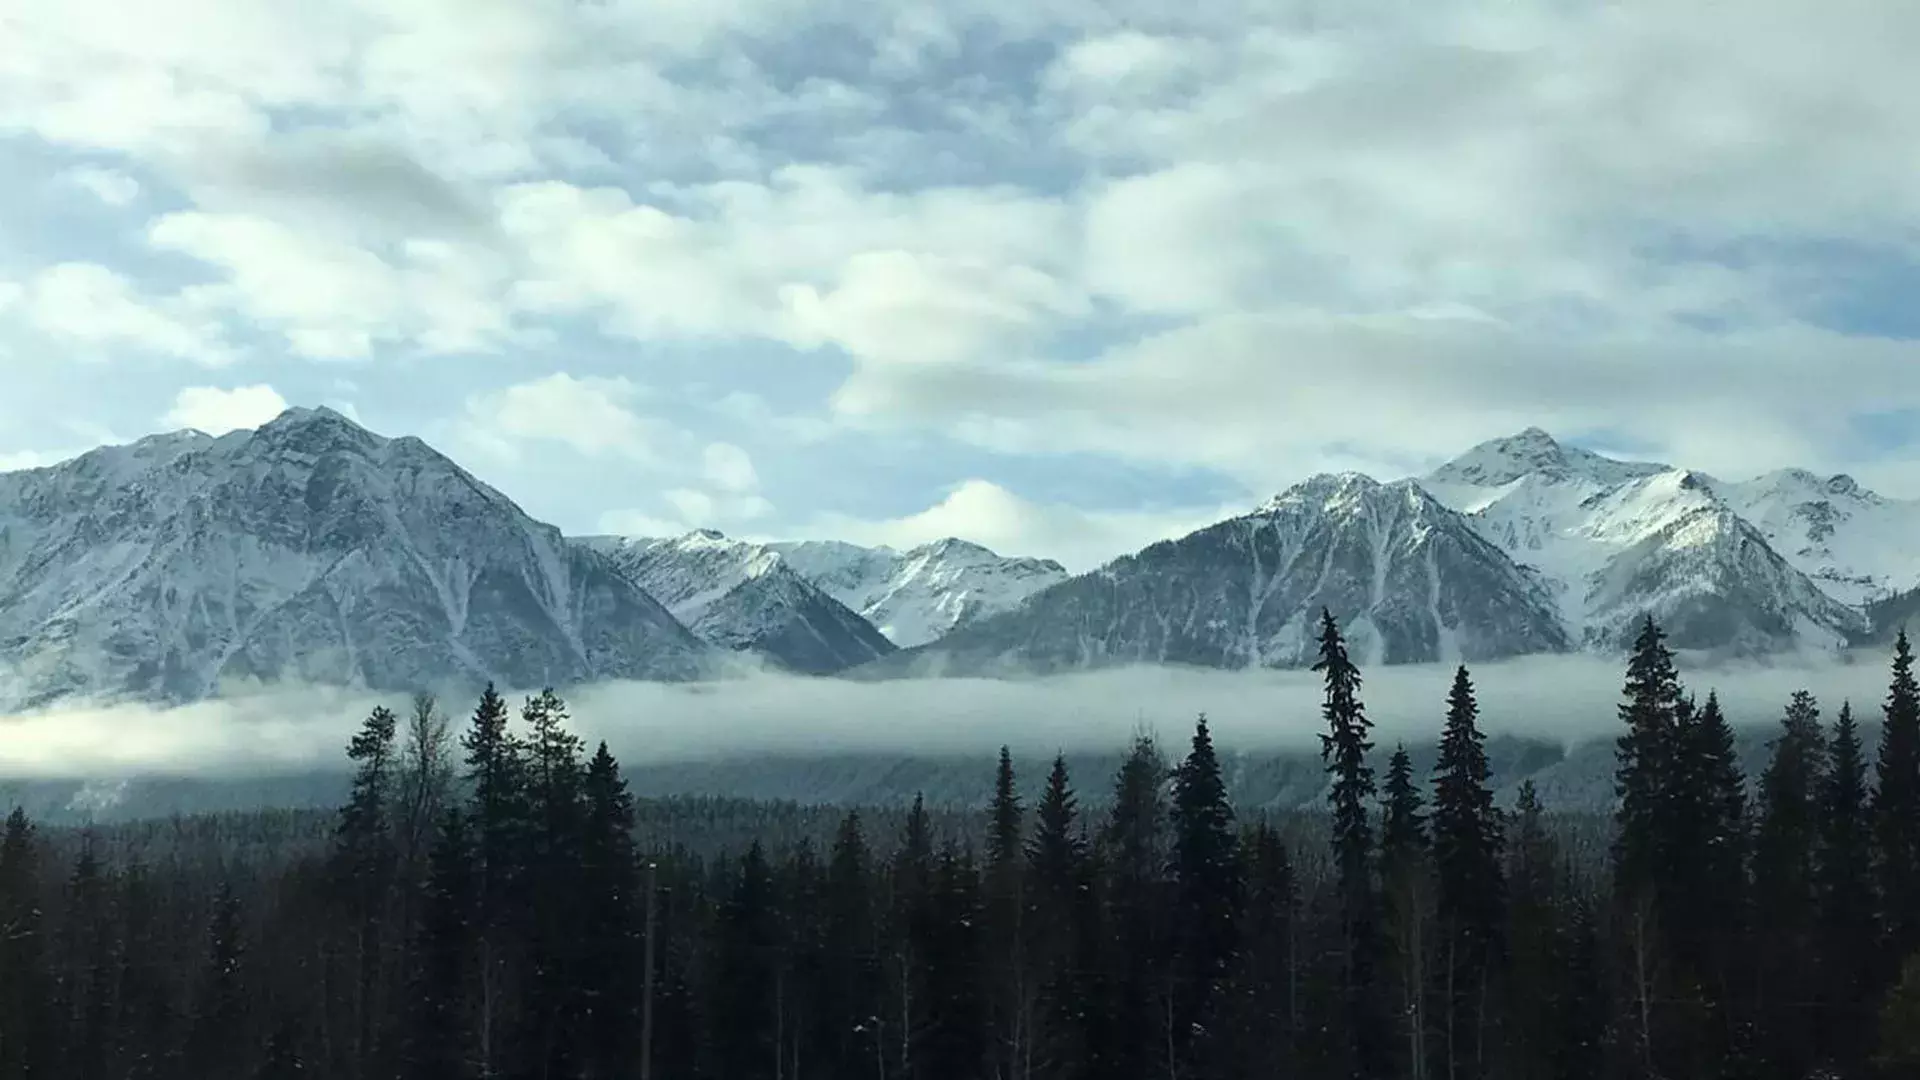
110 186
1272 399
593 416
217 411
730 468
1564 699
986 513
101 311
338 300
809 259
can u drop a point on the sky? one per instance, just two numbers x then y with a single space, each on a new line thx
1059 276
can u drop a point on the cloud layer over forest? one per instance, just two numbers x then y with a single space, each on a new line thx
1565 699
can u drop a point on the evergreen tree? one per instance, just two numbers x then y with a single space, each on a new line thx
1057 886
281 1060
608 937
853 1039
27 1018
555 807
497 823
1896 806
1011 995
1643 779
1264 1021
1646 818
1406 885
436 1033
215 1033
1705 881
950 947
1344 749
364 860
1846 901
1133 854
1206 872
744 991
1786 840
1470 886
88 968
911 907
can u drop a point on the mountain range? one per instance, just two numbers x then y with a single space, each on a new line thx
311 549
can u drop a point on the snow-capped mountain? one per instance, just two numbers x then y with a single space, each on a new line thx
1617 540
310 549
744 596
923 593
1857 545
1409 579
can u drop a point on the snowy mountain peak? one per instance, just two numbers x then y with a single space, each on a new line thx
1323 490
1533 452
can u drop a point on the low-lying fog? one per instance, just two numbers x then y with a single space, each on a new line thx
1562 700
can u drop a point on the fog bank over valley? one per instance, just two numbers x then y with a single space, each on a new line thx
1559 701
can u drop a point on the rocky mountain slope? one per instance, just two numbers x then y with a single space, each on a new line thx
1409 579
1616 540
745 597
1520 545
923 593
310 549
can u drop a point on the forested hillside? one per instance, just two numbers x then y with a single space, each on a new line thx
491 902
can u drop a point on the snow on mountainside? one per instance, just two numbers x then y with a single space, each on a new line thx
310 549
1857 545
1616 540
743 596
921 594
1409 579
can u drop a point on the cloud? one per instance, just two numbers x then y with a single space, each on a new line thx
593 416
1567 700
1269 399
989 514
729 468
217 411
337 300
100 310
810 259
110 186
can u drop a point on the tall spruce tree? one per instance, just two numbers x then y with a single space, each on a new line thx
1057 890
1263 1026
610 969
1847 906
1896 807
1344 749
1703 887
1468 840
497 821
744 978
1133 853
555 808
1205 867
1406 886
435 1036
850 1008
27 1018
215 1039
954 1045
365 861
1786 899
1009 990
1644 755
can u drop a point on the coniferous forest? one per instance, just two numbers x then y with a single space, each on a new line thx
481 908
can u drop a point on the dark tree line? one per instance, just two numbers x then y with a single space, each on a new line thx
481 909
